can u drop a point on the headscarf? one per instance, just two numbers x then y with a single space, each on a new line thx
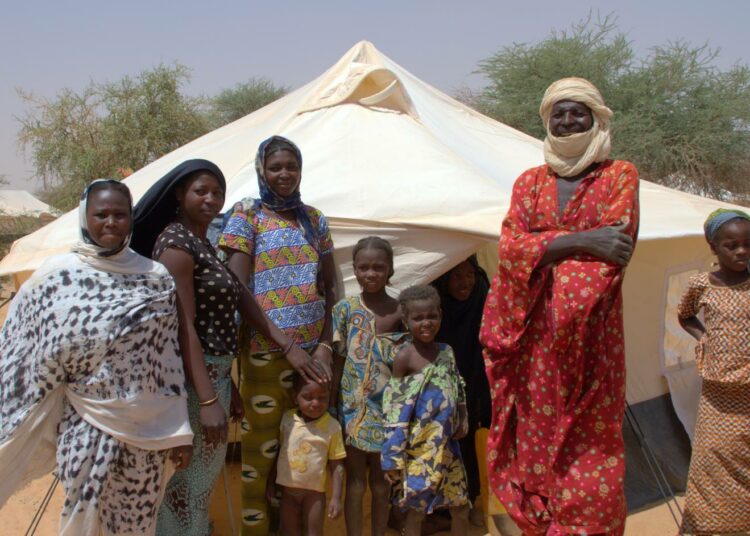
274 201
121 259
460 329
86 245
718 218
158 206
570 155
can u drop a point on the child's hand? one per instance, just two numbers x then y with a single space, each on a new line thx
236 408
181 455
463 422
334 508
392 476
462 430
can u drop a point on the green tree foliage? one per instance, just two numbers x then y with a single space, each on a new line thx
150 116
243 99
111 129
107 130
683 121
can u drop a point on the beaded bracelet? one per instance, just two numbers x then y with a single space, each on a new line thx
286 350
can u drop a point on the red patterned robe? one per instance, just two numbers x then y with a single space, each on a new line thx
555 358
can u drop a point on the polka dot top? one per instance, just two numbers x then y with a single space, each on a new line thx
216 290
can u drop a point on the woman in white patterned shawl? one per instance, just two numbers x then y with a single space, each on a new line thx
92 379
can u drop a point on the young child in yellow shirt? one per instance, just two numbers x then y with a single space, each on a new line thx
311 441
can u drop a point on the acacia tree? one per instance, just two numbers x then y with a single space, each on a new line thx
107 128
243 99
682 120
111 129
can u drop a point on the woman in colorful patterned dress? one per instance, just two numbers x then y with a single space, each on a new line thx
718 492
552 326
425 411
364 329
80 387
172 221
282 250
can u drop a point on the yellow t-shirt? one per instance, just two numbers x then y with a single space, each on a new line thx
305 450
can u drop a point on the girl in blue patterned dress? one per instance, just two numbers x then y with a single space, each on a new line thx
425 412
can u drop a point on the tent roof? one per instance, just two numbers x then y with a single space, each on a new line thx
384 152
22 203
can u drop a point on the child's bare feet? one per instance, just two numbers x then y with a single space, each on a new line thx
476 516
505 525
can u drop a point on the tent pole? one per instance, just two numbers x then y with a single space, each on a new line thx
655 467
42 507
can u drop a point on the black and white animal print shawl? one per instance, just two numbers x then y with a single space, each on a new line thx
101 335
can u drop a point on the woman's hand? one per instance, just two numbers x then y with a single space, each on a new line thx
609 244
214 423
324 356
236 408
181 455
272 492
309 368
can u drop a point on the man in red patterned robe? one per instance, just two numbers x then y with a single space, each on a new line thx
553 329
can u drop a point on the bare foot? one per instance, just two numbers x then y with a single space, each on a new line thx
505 525
476 516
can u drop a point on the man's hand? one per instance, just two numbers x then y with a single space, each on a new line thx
609 244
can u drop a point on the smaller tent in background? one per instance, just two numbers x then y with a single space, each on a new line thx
21 203
20 214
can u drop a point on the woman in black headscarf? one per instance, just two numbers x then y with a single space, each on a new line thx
462 291
171 225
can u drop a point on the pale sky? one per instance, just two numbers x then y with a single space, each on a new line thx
46 46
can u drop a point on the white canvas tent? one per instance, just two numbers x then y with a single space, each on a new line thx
385 153
22 203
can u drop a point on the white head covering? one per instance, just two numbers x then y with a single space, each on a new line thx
151 414
120 259
570 155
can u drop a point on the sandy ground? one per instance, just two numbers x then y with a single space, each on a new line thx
19 511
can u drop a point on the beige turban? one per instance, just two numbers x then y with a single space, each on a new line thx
570 155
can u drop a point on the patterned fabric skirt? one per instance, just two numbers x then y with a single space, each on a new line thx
266 389
184 511
718 493
110 487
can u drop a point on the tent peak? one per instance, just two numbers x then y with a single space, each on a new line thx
361 77
364 52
